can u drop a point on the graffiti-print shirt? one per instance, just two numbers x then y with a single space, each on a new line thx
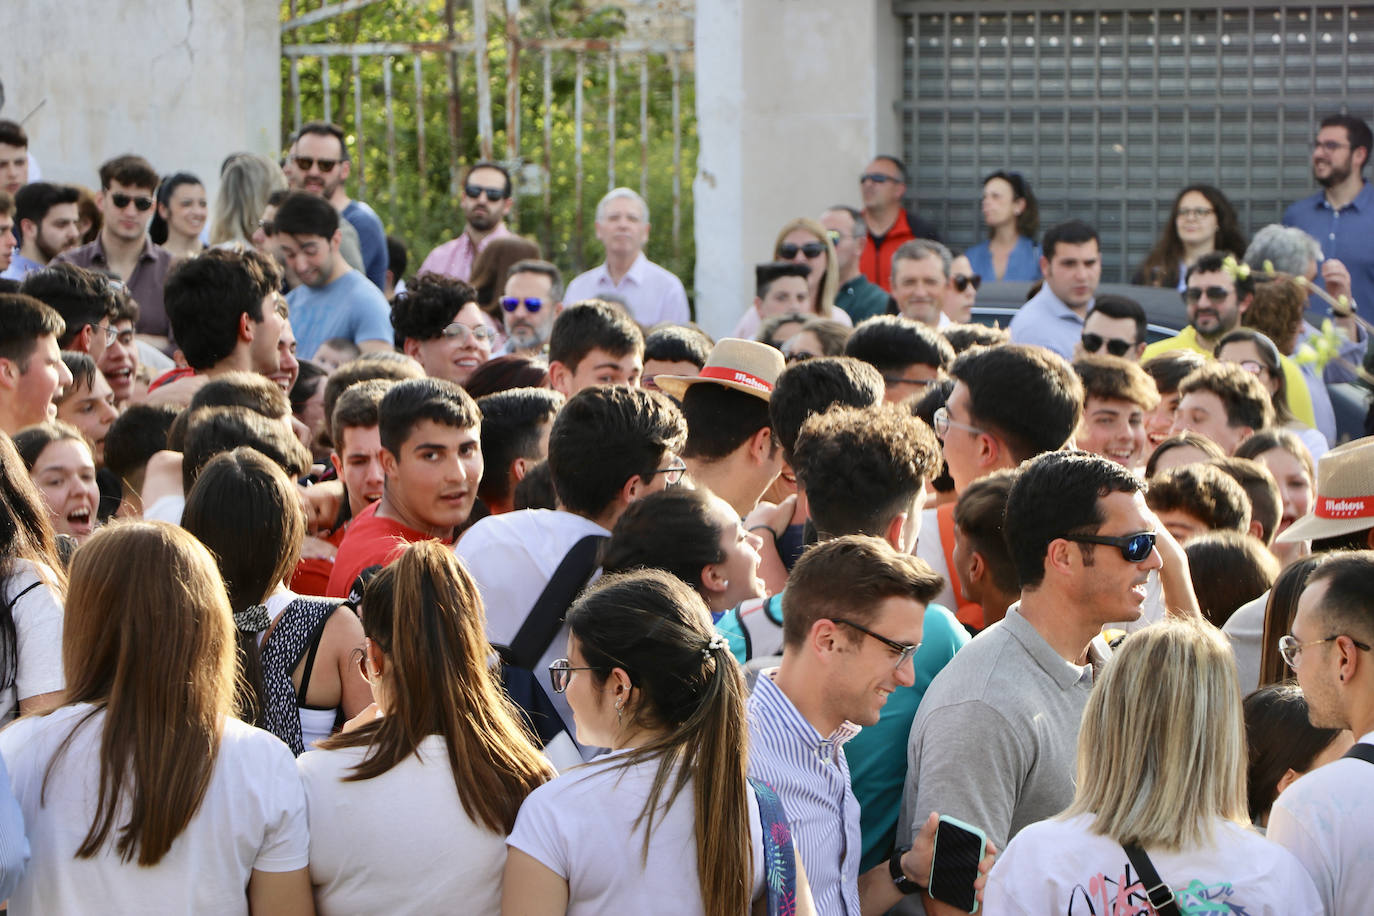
1062 868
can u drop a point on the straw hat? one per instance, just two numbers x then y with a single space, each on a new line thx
744 365
1345 494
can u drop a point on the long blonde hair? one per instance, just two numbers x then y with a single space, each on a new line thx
244 186
1161 752
823 304
425 614
149 638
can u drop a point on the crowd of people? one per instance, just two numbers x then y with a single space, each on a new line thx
332 586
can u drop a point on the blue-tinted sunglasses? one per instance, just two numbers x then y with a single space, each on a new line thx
1134 547
531 303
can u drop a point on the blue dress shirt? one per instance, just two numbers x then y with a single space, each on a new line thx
1344 234
1023 265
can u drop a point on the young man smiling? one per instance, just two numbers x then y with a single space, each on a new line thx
430 433
1116 396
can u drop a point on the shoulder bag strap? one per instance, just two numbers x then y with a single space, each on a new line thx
1160 894
1363 752
541 626
779 856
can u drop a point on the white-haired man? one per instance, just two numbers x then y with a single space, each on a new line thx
652 294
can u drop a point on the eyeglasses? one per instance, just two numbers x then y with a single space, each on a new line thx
111 334
305 163
1252 367
1329 146
120 200
922 382
962 282
475 191
788 250
560 673
1134 547
672 474
1291 649
267 226
532 304
878 178
1193 294
1195 212
904 650
1115 345
796 356
942 423
462 333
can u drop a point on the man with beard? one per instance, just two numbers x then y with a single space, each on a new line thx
533 298
486 201
1071 263
1341 215
47 220
320 165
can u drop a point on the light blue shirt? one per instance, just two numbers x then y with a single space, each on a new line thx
653 294
20 267
811 777
349 307
1023 264
14 844
1344 234
1044 320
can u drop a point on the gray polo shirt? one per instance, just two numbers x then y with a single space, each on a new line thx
995 740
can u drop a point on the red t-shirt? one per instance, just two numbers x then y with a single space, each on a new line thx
369 541
312 574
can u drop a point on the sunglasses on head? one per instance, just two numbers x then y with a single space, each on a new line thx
1194 294
788 250
531 303
962 282
1134 547
475 191
305 163
120 200
1115 345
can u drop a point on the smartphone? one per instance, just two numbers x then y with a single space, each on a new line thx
959 847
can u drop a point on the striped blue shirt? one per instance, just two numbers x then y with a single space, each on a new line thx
811 776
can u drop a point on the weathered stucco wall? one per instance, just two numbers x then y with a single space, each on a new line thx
182 82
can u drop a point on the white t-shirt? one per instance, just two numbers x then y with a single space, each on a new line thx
581 826
419 852
252 817
38 637
1061 867
1324 819
1245 628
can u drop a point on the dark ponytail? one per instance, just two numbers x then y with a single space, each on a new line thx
654 627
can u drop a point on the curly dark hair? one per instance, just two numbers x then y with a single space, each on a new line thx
428 305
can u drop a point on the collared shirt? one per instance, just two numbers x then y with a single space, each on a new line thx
145 284
1344 234
653 294
1046 320
861 299
810 774
1299 398
1023 264
454 258
20 267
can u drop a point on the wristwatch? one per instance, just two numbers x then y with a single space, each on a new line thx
899 878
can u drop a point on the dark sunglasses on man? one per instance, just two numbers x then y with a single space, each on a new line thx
475 191
1134 547
877 178
788 250
532 304
120 200
962 282
1193 294
306 163
1115 345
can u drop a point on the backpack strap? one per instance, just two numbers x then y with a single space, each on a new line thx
1160 894
779 856
1363 752
546 617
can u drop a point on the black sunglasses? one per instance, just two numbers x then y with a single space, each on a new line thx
1215 293
788 250
1115 345
142 204
531 303
475 191
305 163
1134 547
962 282
877 177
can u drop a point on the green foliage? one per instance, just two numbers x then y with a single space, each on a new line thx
421 206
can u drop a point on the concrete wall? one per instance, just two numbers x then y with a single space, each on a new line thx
183 83
793 98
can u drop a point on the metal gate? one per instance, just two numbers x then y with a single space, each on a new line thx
1110 112
487 63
